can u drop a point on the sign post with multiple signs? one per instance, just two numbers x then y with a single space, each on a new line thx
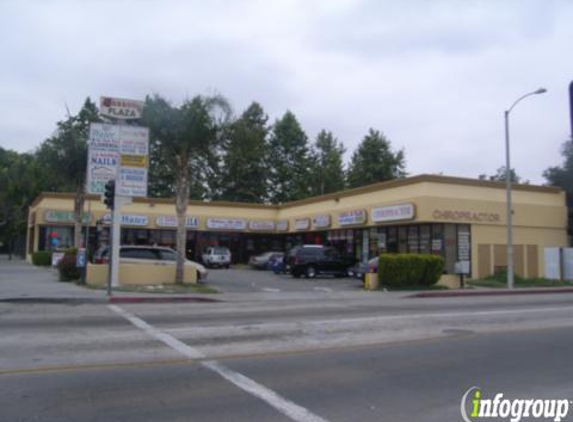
118 152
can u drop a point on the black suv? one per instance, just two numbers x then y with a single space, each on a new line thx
314 259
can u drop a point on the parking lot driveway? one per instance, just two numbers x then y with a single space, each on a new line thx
250 280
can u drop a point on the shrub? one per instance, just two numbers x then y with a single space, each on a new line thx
67 268
42 258
71 251
410 269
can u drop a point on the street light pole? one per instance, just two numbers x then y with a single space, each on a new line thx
509 213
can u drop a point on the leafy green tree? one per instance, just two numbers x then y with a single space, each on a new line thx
244 170
563 177
65 157
374 161
289 161
21 180
327 164
499 176
187 139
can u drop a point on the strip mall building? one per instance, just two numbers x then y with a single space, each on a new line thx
459 219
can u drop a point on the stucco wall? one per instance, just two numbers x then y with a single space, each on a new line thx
139 274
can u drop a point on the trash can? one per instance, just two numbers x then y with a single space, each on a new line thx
371 281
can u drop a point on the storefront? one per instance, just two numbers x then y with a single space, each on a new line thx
459 219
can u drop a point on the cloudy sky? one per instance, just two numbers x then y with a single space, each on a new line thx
434 76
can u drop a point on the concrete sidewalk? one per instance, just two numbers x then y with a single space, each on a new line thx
19 279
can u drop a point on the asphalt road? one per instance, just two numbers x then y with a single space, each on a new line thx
308 356
249 280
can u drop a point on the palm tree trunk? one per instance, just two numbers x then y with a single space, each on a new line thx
181 202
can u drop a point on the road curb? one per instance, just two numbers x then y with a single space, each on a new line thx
156 299
463 293
54 300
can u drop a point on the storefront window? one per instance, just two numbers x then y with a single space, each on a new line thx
382 241
464 243
365 245
450 241
437 245
425 238
54 238
392 240
413 239
403 239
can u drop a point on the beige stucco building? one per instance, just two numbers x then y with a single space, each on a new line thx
460 219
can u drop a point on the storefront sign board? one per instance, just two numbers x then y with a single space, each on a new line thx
226 223
129 220
171 221
393 213
302 224
60 216
262 225
321 221
352 217
282 225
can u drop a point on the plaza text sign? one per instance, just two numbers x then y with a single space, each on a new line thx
120 108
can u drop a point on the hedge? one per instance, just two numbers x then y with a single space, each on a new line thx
42 258
409 269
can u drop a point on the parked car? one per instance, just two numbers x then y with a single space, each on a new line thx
361 268
147 254
263 260
217 256
311 261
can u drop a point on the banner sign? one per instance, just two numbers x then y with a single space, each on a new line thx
302 224
171 221
226 223
118 152
349 218
262 225
393 213
103 146
282 225
120 108
133 150
321 221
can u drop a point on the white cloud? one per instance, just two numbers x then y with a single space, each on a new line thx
435 76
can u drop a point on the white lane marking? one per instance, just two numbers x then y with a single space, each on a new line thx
283 405
169 340
322 289
286 407
372 319
269 289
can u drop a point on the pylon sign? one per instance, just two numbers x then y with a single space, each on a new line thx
120 153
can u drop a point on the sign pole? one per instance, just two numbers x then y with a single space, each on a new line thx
571 106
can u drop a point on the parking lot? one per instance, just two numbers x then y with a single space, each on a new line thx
251 280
